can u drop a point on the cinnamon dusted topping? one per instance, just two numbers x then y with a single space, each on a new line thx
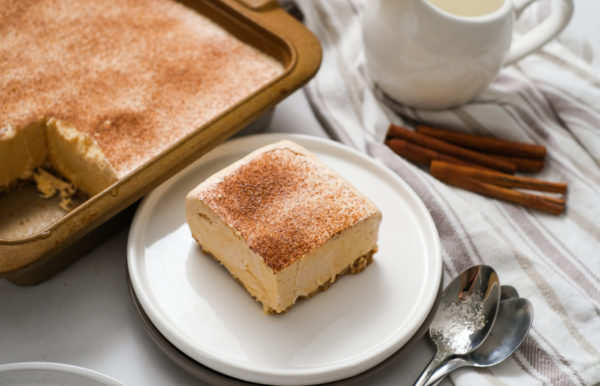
134 75
285 203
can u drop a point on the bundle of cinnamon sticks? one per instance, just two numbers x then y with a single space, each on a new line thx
480 164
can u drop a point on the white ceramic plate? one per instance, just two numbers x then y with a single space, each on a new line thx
355 324
52 374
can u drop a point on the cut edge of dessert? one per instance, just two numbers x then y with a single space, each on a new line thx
54 144
57 157
283 224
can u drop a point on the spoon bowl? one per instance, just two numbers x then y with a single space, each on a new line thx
465 316
508 292
512 325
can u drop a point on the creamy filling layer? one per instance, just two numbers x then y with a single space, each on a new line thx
21 151
279 290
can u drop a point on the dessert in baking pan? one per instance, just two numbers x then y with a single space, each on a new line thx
94 89
111 97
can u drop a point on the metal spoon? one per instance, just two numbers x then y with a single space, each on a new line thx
464 317
508 292
510 329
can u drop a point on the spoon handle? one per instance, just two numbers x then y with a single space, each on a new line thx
437 361
445 369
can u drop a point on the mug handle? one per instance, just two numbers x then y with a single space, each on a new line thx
540 34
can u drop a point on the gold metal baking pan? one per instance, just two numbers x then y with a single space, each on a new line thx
259 23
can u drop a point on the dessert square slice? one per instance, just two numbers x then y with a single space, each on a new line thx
283 224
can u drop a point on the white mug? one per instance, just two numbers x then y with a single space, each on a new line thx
430 58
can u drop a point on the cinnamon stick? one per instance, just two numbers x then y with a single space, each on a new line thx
449 149
500 179
486 144
523 164
452 174
421 155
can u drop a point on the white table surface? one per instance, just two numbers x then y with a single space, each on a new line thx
84 315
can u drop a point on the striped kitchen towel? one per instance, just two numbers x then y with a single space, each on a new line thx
550 98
